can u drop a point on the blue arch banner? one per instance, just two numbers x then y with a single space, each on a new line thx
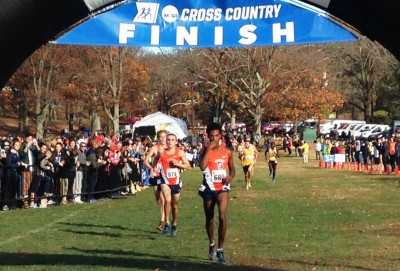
208 23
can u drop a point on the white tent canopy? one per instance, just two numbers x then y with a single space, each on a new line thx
161 121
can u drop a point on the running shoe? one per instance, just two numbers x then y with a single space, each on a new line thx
160 226
173 231
166 230
212 255
220 256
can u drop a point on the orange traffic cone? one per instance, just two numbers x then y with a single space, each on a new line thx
380 168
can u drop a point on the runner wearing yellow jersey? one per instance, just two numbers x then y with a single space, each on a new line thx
272 157
248 155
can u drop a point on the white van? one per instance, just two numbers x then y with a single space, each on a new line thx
340 126
354 129
356 133
344 131
379 128
325 127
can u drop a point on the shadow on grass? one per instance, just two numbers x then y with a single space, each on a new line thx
118 259
114 227
104 234
107 234
107 227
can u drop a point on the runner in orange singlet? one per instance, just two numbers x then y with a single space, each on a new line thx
155 176
218 172
172 160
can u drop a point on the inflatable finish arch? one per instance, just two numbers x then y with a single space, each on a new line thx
25 25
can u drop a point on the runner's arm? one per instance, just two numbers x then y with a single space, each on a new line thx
148 156
204 157
255 154
231 166
185 162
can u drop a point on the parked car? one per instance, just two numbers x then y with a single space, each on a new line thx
376 136
356 134
267 128
346 130
379 128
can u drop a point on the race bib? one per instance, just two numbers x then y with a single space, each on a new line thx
172 173
249 157
218 175
158 167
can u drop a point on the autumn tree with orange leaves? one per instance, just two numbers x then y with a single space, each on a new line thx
301 93
35 84
119 71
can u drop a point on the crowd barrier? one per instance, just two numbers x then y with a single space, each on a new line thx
338 163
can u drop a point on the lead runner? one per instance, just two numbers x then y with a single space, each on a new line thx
218 172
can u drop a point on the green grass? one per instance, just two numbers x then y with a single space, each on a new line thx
311 219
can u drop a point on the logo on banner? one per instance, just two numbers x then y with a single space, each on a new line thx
147 12
170 14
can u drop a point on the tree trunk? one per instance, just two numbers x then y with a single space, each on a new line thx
40 120
365 109
26 120
71 122
20 116
23 123
257 124
115 120
372 110
233 120
95 121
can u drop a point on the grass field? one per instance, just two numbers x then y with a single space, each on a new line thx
311 219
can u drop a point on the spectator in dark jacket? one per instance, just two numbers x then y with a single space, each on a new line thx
12 187
94 156
62 164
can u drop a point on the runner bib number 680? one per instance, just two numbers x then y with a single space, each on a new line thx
218 175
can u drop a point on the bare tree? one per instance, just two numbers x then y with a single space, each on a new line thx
120 72
363 69
38 77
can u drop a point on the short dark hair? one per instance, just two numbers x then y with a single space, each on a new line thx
214 126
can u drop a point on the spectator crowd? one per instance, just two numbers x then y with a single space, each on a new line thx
76 169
